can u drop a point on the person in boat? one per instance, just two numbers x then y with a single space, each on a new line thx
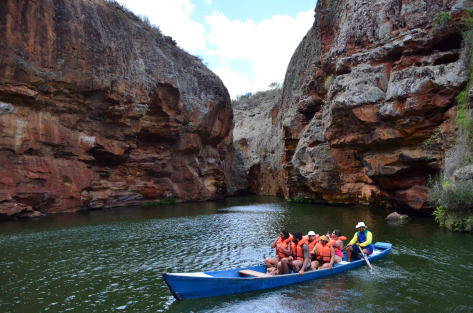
299 261
363 239
313 240
337 244
281 244
325 254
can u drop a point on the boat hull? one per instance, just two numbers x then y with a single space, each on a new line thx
211 284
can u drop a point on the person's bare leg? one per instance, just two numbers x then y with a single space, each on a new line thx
325 265
338 259
280 269
349 252
285 265
314 265
296 265
365 251
271 262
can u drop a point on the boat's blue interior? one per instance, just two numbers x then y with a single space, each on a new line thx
262 268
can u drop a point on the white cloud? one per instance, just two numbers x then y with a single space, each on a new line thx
268 45
173 17
236 84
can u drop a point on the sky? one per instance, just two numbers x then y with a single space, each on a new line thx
247 43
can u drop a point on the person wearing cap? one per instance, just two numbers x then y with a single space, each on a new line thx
363 239
313 240
325 254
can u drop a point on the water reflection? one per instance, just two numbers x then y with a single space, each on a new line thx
111 260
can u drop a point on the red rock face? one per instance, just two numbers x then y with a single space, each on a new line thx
368 105
98 109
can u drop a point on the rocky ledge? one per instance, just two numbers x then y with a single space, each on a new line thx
368 105
99 109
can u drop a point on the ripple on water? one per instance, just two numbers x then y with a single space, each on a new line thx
116 266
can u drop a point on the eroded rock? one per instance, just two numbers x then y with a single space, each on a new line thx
102 110
17 210
381 88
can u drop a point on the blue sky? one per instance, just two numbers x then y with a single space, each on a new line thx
247 43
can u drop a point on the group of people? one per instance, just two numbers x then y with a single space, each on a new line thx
304 253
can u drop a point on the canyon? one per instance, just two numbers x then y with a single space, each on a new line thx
99 109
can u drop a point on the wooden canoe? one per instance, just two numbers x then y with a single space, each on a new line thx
184 286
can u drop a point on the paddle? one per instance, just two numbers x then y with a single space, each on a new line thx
365 257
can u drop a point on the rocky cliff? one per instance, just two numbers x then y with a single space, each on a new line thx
368 105
254 117
99 109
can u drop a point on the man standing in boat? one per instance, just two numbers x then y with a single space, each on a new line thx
300 256
363 239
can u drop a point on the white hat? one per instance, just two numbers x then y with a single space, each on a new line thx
360 224
311 233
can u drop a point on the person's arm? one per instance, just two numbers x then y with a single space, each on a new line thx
273 245
338 244
306 252
354 240
332 258
369 240
286 251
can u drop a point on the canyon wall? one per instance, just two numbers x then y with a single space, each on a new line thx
368 104
99 109
254 118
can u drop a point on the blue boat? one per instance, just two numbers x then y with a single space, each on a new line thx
184 286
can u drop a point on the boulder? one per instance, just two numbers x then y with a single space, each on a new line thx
396 216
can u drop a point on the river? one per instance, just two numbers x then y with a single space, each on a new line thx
111 260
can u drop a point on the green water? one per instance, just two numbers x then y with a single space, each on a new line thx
111 261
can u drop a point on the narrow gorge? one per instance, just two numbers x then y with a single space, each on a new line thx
99 109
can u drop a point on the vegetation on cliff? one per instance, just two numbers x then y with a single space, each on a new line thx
274 88
165 201
452 190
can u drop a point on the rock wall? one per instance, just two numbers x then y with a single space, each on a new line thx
368 105
99 109
254 117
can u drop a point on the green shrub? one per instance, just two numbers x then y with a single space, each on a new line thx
165 201
454 202
441 21
300 199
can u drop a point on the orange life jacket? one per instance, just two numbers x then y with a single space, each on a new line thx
297 252
283 243
333 241
312 244
324 253
317 250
